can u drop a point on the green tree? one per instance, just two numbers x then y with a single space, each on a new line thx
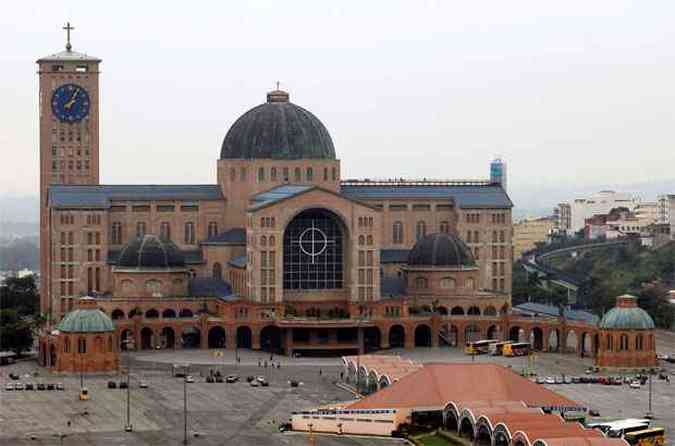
16 333
20 294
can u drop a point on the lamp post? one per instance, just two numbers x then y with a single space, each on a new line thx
129 343
185 423
650 414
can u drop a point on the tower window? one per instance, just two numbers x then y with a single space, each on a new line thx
81 68
57 67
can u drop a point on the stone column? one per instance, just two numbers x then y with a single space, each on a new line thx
255 338
409 338
289 341
359 339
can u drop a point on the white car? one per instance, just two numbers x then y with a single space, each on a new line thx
9 387
189 379
550 380
635 385
143 385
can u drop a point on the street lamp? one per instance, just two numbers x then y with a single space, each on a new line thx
129 343
185 422
649 413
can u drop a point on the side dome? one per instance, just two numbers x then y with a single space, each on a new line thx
86 321
440 250
150 251
278 129
626 315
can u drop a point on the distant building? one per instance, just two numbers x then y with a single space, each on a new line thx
562 217
528 232
665 207
647 212
599 203
498 172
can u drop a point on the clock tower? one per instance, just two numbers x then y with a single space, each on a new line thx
69 152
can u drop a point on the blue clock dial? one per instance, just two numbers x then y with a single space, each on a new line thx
70 103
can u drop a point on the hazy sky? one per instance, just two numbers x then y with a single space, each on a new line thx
569 93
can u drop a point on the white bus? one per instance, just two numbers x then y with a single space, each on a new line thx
617 429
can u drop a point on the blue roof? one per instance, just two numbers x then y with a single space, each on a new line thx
552 310
627 319
394 255
85 196
209 287
392 286
486 196
234 235
277 194
239 262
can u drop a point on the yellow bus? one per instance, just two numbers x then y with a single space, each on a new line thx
655 436
479 347
497 349
516 349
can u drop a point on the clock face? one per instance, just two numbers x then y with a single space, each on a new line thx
70 103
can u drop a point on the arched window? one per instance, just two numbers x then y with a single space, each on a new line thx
66 345
273 174
212 229
421 229
110 344
263 241
261 174
140 229
310 174
298 174
638 342
325 173
362 240
501 236
334 172
154 287
369 240
445 227
421 283
476 236
468 236
165 230
116 233
272 240
470 284
189 233
397 232
82 345
610 343
286 174
448 283
494 236
624 342
217 271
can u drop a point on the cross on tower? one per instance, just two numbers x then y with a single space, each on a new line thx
68 28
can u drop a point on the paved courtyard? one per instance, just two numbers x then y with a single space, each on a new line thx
238 414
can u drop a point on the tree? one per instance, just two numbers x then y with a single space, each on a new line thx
20 294
653 299
16 333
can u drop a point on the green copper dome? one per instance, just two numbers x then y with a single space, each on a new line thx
86 321
627 316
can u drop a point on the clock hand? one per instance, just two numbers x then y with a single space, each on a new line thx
72 99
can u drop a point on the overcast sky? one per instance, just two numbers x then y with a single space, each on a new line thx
570 93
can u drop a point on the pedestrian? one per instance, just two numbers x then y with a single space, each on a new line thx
342 375
266 363
259 363
320 372
279 364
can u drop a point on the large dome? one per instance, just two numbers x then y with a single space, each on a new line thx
150 251
627 316
86 321
440 250
278 129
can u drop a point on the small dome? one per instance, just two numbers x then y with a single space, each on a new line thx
626 315
440 250
85 321
278 129
150 251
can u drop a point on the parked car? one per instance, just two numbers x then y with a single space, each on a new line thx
41 386
9 387
540 380
593 413
264 383
635 384
576 379
209 379
567 380
254 383
558 380
260 378
143 385
50 387
249 378
123 385
663 375
18 386
59 386
14 376
294 383
112 385
219 378
232 379
189 379
30 386
550 380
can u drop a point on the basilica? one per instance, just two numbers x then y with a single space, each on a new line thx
282 253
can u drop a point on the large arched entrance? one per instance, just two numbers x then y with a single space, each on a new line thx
117 314
270 339
494 332
422 336
191 337
516 334
554 340
466 429
146 338
52 355
397 336
457 311
168 337
571 342
217 337
483 437
537 338
126 340
587 344
472 333
313 251
244 337
371 339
